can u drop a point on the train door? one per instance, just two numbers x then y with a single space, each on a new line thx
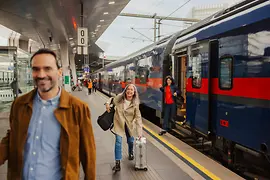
197 96
99 82
202 67
212 73
180 77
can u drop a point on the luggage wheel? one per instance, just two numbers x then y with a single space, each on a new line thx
137 169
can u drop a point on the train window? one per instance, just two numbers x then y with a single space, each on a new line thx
196 71
130 73
143 70
225 73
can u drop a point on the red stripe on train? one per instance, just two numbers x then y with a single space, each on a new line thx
242 87
155 83
202 90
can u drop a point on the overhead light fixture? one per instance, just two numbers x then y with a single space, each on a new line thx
111 2
98 25
93 36
105 13
70 38
102 20
96 30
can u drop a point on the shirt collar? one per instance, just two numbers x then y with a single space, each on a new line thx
52 101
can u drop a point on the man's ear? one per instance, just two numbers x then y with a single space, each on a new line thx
60 72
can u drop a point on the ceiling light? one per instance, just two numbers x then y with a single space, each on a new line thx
96 30
102 20
111 2
105 13
70 38
98 25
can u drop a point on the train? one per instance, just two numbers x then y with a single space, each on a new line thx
222 67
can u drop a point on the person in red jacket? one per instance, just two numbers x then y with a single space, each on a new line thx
170 92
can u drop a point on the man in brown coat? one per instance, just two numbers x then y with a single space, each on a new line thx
50 130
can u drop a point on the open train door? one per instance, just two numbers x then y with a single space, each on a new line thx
181 78
212 74
99 82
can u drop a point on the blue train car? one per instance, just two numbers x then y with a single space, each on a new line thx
227 75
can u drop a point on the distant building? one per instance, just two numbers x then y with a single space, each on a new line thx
202 12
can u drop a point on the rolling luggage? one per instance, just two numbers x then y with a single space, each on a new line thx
140 154
73 88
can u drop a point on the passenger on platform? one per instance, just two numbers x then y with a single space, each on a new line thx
170 93
50 130
95 85
127 120
15 88
90 86
123 84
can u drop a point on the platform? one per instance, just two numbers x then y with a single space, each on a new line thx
168 158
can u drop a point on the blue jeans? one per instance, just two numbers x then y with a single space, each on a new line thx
118 144
169 113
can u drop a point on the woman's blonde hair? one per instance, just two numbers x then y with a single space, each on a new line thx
135 99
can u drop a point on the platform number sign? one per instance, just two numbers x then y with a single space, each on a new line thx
82 36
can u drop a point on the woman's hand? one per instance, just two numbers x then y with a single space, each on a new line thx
108 108
175 94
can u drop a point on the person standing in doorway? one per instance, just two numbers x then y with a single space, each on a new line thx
170 92
50 130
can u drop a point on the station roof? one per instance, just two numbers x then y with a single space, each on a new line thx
50 22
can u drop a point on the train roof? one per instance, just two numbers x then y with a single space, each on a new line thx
221 15
160 43
204 23
216 18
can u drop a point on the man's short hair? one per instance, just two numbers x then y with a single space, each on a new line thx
46 51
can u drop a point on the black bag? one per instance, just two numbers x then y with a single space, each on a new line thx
105 121
179 100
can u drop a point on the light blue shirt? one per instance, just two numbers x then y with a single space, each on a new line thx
42 149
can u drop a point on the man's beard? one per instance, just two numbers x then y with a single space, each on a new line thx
42 89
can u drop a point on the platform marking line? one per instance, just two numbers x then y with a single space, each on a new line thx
189 161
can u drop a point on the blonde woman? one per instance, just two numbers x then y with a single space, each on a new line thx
127 121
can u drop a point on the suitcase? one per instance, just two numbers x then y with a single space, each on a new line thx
140 154
73 88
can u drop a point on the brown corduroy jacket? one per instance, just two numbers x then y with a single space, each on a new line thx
77 142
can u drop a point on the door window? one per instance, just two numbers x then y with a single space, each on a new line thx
196 71
225 73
